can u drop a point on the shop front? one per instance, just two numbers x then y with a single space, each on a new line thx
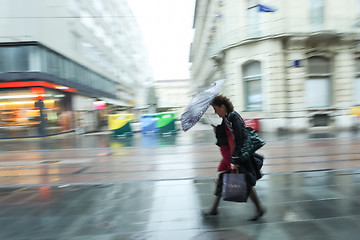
42 92
34 111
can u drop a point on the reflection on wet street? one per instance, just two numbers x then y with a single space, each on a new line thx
97 186
105 140
104 158
193 137
315 205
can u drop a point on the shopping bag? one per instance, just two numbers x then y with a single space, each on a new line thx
234 187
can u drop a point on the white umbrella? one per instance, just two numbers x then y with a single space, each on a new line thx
199 104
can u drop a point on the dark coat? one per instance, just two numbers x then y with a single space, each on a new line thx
250 168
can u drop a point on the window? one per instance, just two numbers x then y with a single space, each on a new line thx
41 59
357 90
34 59
52 63
357 83
317 86
317 92
253 86
316 14
14 59
253 18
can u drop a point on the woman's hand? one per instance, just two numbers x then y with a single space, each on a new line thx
234 166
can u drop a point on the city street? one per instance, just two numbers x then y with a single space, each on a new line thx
96 186
75 73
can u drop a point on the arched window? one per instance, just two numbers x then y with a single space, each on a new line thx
318 88
253 86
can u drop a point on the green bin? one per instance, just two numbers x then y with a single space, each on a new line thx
166 123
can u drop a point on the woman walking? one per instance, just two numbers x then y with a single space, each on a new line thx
232 128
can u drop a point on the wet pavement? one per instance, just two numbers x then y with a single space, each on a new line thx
312 205
154 187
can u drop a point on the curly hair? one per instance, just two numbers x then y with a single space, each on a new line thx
222 100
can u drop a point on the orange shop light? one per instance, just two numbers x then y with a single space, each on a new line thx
37 84
39 93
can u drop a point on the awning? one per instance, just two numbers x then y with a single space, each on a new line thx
116 102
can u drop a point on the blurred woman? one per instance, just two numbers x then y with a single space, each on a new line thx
232 125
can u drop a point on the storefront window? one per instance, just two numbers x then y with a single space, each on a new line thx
31 112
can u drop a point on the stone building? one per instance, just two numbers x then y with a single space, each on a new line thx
291 64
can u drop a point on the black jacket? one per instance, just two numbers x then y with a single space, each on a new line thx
250 168
237 125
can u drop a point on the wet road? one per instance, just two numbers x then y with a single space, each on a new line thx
153 187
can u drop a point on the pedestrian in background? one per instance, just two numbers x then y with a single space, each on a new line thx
230 138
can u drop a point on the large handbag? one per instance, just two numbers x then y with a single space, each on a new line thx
259 161
234 188
252 143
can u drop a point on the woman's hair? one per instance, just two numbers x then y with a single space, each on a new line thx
222 100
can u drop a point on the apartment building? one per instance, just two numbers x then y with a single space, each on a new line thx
293 65
65 63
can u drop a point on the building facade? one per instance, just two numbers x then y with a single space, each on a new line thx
63 64
291 64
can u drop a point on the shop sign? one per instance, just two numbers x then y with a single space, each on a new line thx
100 105
39 93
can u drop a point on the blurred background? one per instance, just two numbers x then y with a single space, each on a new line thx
89 65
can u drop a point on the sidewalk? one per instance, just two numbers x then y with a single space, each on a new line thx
312 205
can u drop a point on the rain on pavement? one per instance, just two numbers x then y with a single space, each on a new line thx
96 186
101 157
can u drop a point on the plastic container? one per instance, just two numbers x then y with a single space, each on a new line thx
148 123
120 124
166 123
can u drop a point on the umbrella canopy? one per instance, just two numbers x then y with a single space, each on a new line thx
199 104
